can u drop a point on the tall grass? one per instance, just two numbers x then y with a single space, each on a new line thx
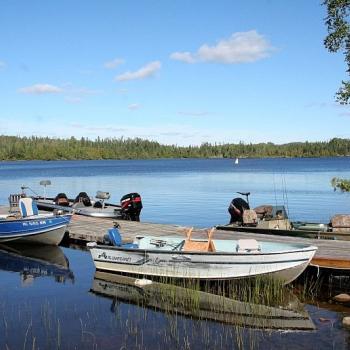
172 314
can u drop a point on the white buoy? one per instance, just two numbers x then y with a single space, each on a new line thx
143 282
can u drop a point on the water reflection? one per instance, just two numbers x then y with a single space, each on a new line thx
35 261
197 304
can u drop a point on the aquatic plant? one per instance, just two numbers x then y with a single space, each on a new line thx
341 184
185 315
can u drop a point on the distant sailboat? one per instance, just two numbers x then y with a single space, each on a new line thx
236 161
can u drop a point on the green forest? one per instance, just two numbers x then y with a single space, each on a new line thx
44 148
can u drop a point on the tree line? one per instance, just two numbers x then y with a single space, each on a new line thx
44 148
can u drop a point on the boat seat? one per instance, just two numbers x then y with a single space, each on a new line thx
28 207
248 246
198 245
14 203
264 211
340 223
250 218
116 239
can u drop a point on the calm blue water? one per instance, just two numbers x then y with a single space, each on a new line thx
193 191
47 304
46 307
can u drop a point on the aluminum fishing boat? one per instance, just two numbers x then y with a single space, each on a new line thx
273 220
208 259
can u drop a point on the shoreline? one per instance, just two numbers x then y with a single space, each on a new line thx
172 158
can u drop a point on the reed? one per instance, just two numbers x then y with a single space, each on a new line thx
310 288
26 336
5 324
58 334
178 313
33 343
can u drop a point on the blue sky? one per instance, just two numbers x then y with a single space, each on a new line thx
178 72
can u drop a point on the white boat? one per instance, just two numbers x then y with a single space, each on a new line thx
236 161
129 209
107 211
209 259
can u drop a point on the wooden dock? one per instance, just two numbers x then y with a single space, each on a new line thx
333 254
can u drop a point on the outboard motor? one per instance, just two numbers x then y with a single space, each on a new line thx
236 208
131 206
83 197
62 200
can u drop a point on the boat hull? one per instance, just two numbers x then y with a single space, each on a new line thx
106 213
37 230
345 236
110 211
284 266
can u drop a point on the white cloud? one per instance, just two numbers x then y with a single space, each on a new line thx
241 47
114 63
134 106
183 56
2 65
71 94
39 89
147 71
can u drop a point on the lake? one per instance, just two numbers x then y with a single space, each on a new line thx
193 191
52 299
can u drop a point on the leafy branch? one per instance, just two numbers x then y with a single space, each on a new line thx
338 38
342 184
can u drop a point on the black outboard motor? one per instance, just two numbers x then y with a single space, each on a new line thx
131 206
83 197
62 200
236 208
